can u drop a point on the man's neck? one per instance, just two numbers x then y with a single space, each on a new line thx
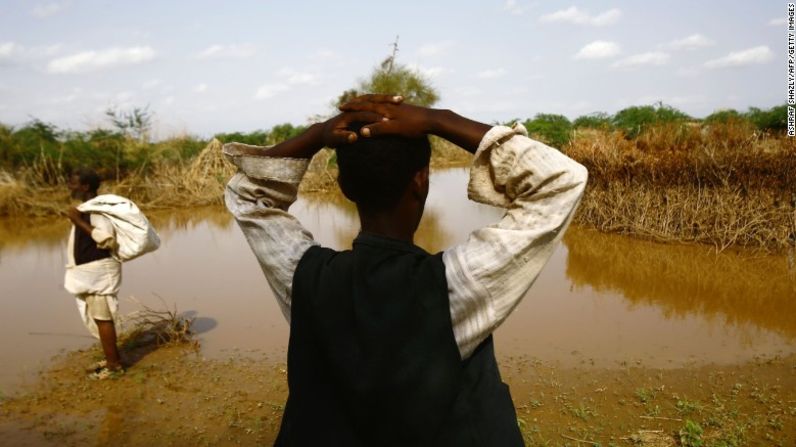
388 225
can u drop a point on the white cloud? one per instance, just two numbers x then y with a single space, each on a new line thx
47 10
578 17
434 49
692 42
513 8
293 77
290 79
8 49
201 88
15 51
269 90
599 49
433 72
637 60
491 73
98 60
429 72
234 51
751 56
779 21
325 54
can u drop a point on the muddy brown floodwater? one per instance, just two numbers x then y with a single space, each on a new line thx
602 300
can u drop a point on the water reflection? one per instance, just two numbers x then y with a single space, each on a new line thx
738 289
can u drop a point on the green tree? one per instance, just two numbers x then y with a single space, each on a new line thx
257 137
596 120
135 123
723 116
634 120
555 130
282 132
33 140
774 119
393 78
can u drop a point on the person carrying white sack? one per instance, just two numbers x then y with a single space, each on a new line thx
107 230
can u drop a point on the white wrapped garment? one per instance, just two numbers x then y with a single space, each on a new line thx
135 236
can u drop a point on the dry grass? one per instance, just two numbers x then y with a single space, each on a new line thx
159 327
35 192
723 185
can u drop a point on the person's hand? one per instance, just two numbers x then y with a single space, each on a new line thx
414 122
400 119
337 130
73 214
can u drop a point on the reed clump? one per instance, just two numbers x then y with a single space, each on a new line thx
160 327
723 184
198 181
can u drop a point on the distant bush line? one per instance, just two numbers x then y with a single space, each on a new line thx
726 180
49 152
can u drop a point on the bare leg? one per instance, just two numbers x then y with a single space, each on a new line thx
107 334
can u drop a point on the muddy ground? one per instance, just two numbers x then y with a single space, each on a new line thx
172 396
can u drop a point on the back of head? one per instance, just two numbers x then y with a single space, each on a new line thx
88 177
375 171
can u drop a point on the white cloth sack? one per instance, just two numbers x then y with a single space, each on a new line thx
135 236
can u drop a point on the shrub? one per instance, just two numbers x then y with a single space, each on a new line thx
258 137
596 120
771 120
634 120
724 116
555 130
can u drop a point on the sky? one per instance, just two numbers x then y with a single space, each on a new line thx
203 67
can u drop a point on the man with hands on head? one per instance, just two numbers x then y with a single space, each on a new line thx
390 345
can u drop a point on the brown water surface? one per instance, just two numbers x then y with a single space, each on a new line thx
602 299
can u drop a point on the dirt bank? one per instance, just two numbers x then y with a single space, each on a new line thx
172 396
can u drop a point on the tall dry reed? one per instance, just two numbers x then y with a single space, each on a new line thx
722 185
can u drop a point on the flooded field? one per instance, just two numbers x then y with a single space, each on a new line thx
603 300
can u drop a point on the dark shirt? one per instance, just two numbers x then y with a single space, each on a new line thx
372 359
86 249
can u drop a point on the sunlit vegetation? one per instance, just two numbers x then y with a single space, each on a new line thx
725 180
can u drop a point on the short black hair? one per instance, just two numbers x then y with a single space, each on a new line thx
375 171
88 177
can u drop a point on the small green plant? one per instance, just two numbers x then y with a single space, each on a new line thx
691 434
685 406
583 412
645 395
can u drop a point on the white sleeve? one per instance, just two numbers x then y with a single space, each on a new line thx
490 273
259 196
103 232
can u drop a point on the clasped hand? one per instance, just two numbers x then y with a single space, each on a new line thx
382 115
